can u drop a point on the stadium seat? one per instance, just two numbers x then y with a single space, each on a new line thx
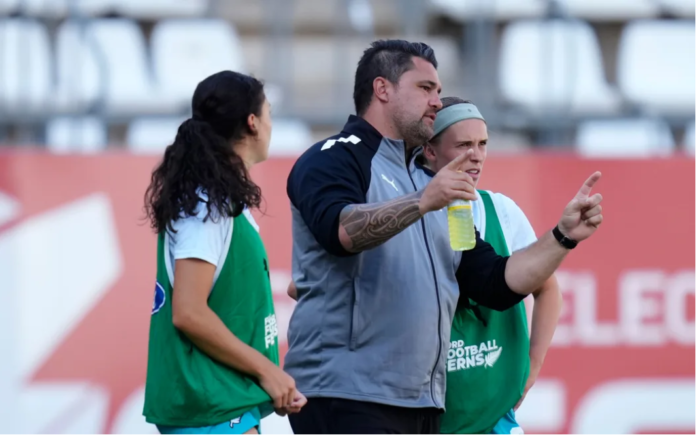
151 135
61 8
118 64
464 10
308 16
554 65
610 10
25 66
44 8
80 82
184 52
326 85
156 9
680 8
629 138
81 135
8 7
290 138
655 65
690 139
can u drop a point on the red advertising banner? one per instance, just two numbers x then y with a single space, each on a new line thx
77 270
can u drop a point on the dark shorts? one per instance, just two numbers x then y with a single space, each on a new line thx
326 416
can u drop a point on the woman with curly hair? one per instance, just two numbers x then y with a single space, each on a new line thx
213 345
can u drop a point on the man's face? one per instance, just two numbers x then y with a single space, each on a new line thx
416 102
459 138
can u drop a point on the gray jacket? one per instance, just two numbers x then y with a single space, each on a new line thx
375 326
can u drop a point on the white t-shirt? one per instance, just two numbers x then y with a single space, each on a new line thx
208 241
517 230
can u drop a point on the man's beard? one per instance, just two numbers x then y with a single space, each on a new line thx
415 133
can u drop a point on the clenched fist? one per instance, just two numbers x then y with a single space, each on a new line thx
449 183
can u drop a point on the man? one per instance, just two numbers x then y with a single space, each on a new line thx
500 371
375 274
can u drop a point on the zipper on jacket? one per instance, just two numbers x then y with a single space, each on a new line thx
437 293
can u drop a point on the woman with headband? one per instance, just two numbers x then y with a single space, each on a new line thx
492 362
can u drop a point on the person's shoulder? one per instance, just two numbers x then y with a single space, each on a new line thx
204 213
505 205
336 148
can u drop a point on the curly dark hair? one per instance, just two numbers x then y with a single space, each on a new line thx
202 157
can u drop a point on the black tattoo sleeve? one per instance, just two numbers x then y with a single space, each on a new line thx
370 225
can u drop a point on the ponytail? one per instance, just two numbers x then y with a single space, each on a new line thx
199 160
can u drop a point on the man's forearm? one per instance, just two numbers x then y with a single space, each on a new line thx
547 310
365 226
527 270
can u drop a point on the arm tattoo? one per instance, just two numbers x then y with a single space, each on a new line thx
370 225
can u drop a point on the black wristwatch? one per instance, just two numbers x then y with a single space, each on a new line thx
563 240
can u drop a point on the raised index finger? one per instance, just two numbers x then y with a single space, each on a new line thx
586 188
456 163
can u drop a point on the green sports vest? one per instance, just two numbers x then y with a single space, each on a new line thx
487 366
184 386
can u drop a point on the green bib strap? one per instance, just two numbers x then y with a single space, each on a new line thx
494 231
488 358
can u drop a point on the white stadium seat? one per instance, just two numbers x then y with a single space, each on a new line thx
45 8
290 138
94 7
155 9
61 8
552 65
681 8
184 52
80 82
8 6
610 10
151 135
465 10
71 135
115 67
690 139
25 66
624 138
655 65
130 84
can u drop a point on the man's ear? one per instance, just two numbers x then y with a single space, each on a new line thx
429 151
380 87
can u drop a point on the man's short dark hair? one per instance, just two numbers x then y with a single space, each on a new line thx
451 101
389 59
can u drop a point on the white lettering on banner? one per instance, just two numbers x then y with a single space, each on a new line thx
582 307
679 327
640 291
637 406
651 309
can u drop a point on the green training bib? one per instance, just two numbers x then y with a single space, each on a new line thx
185 387
487 366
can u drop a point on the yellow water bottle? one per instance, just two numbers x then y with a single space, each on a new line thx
460 218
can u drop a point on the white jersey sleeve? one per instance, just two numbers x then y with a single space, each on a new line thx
200 238
516 227
196 238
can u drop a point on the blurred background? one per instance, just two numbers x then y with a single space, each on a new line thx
92 91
